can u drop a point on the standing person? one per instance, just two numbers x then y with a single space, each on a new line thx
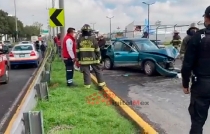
88 53
55 40
197 60
69 55
101 41
58 44
176 41
101 44
37 45
145 35
190 32
43 49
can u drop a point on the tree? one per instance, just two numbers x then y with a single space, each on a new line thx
31 31
4 26
7 26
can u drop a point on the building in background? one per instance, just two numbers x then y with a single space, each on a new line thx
159 31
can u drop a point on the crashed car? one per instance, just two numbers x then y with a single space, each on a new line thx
142 53
4 64
158 43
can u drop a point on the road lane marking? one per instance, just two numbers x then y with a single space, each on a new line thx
148 129
17 112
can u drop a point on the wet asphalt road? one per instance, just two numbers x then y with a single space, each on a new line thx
167 111
10 91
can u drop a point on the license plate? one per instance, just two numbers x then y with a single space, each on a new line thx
22 55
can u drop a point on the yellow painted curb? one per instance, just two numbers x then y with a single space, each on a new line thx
148 129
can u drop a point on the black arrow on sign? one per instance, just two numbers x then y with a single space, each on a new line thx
54 16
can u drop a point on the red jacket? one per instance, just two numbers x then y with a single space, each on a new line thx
55 39
65 51
58 42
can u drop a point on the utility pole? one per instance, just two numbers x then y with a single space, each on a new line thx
93 25
110 23
148 4
53 6
16 27
62 29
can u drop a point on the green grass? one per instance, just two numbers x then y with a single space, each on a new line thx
67 111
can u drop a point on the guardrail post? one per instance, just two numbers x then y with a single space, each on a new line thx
33 121
42 91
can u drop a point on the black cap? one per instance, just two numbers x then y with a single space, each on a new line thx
70 29
207 12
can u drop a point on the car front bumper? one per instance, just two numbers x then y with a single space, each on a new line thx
166 69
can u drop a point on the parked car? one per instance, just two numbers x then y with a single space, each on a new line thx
4 64
8 43
141 53
24 54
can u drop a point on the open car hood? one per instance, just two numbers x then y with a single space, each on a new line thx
168 51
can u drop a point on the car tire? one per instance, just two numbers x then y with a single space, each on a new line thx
6 76
108 64
149 68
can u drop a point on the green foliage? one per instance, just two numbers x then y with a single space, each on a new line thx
7 26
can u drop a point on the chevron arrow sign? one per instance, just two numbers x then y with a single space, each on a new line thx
56 17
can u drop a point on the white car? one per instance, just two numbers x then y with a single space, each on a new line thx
24 54
25 42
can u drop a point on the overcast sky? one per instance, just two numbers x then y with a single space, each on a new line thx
79 12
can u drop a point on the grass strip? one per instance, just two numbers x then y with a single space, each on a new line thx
67 111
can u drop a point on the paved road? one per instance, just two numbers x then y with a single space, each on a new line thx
9 92
168 106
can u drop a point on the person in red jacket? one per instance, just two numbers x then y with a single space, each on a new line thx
58 44
69 55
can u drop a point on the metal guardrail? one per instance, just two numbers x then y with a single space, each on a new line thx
24 120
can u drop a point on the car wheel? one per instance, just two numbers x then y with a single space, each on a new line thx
149 68
6 76
108 63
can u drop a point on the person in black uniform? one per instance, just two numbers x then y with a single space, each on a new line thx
196 65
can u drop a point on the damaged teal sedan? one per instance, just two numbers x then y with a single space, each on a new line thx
141 53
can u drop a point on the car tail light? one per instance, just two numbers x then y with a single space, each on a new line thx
33 53
11 54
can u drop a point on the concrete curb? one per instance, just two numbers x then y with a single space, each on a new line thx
148 129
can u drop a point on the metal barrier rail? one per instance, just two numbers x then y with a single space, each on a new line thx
35 89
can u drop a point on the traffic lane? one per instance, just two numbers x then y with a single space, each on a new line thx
9 92
167 111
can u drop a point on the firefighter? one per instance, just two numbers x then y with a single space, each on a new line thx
190 32
88 53
176 41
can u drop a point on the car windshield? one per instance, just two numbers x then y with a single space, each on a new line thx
6 42
23 48
146 45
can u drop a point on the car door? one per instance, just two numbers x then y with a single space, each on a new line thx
124 55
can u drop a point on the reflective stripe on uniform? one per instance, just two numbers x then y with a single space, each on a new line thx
176 40
102 84
97 50
87 49
89 62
